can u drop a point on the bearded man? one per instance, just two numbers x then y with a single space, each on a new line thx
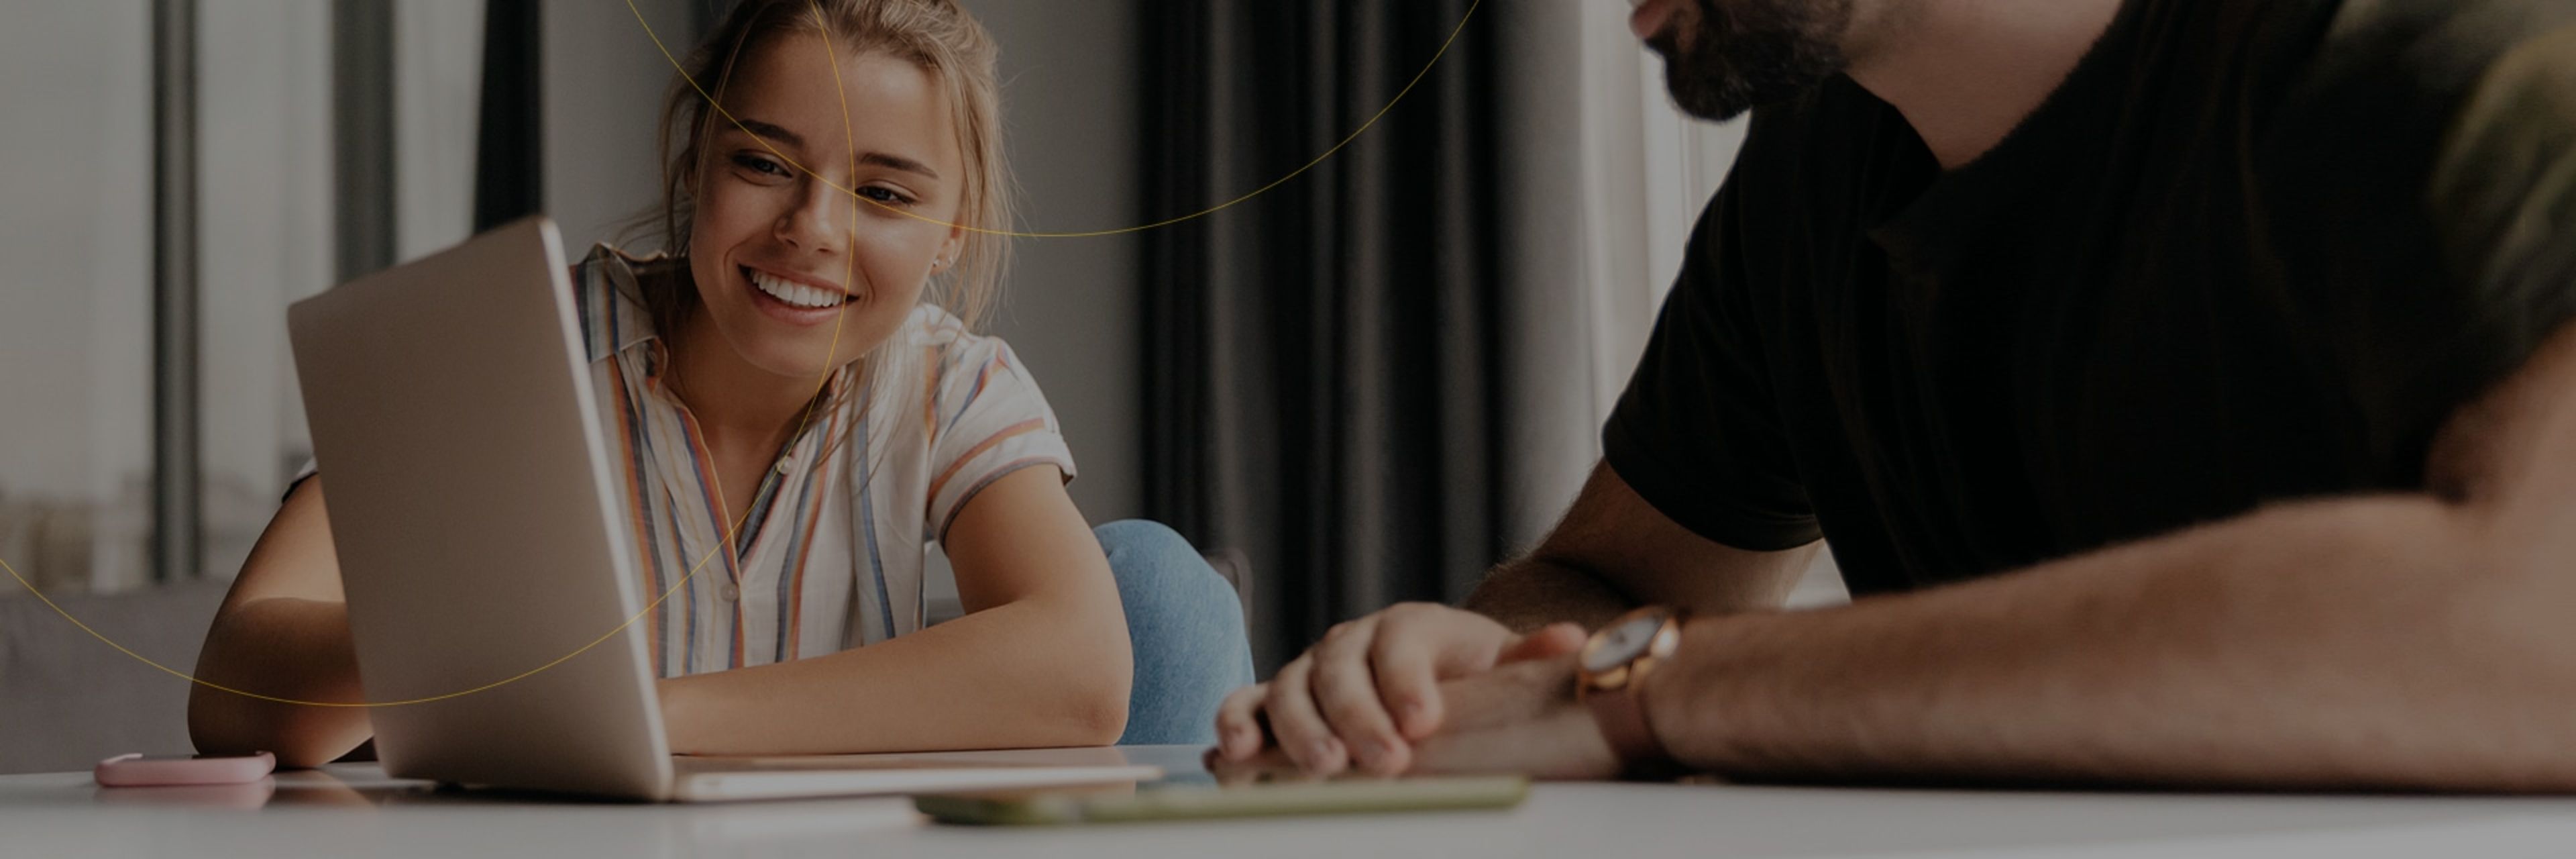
2187 389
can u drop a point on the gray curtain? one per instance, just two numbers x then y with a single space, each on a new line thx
1324 369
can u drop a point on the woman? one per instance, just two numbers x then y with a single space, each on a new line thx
802 406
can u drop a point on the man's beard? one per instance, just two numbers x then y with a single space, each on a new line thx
1745 54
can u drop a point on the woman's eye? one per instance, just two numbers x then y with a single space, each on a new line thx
757 164
887 196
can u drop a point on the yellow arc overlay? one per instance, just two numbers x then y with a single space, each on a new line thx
1089 234
823 380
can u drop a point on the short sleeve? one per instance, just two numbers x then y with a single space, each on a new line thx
2503 192
988 421
311 467
1698 432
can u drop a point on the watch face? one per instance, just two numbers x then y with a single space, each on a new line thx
1622 644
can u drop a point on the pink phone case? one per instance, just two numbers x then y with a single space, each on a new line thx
139 771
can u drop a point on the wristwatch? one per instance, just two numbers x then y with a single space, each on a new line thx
1616 663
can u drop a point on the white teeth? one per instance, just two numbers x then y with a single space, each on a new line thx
795 294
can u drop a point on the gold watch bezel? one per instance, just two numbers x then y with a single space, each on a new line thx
1658 647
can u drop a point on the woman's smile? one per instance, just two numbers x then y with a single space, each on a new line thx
795 300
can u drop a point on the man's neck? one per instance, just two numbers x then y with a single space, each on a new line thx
1966 72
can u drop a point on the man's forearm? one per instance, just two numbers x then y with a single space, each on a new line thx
2371 642
1528 593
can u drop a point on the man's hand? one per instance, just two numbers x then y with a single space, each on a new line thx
1521 717
1372 688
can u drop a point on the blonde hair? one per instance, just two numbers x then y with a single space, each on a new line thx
936 35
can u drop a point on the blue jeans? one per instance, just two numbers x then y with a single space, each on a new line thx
1186 625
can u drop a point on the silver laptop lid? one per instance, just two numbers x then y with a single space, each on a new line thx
472 506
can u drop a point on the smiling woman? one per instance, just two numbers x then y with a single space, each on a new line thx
802 407
788 272
920 94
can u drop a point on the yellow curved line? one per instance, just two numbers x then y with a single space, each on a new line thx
1310 165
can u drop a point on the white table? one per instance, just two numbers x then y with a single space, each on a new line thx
352 810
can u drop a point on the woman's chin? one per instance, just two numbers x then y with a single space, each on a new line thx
784 351
802 365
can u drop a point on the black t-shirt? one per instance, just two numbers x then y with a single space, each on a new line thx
2250 250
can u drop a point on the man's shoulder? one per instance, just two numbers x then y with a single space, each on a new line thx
2520 104
2436 25
2502 190
2431 52
2391 83
2524 71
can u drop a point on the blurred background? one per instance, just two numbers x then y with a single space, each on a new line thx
1365 386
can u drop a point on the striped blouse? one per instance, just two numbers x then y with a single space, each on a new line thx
831 555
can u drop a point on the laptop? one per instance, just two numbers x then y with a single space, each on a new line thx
475 516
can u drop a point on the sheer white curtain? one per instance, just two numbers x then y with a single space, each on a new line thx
438 79
76 295
268 218
75 307
266 230
1607 179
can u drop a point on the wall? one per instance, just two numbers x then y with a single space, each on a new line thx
603 80
1069 89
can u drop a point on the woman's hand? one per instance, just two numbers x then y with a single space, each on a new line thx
1373 687
1519 717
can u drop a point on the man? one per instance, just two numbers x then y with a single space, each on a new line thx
2186 386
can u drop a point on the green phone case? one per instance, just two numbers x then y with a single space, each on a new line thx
1217 803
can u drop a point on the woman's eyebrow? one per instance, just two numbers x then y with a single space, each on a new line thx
898 162
771 131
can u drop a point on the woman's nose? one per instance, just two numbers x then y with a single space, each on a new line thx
814 223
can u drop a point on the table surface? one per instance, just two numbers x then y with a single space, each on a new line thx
354 810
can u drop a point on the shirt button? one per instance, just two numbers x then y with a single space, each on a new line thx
730 592
785 462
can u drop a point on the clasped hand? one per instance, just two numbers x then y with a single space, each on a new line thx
1417 689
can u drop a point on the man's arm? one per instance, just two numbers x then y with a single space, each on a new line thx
1613 552
2413 641
1361 696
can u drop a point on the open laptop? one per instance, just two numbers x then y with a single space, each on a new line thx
473 509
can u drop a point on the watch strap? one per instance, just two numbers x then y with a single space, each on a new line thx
1621 714
1619 707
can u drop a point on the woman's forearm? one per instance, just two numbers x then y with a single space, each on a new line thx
1022 675
295 649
